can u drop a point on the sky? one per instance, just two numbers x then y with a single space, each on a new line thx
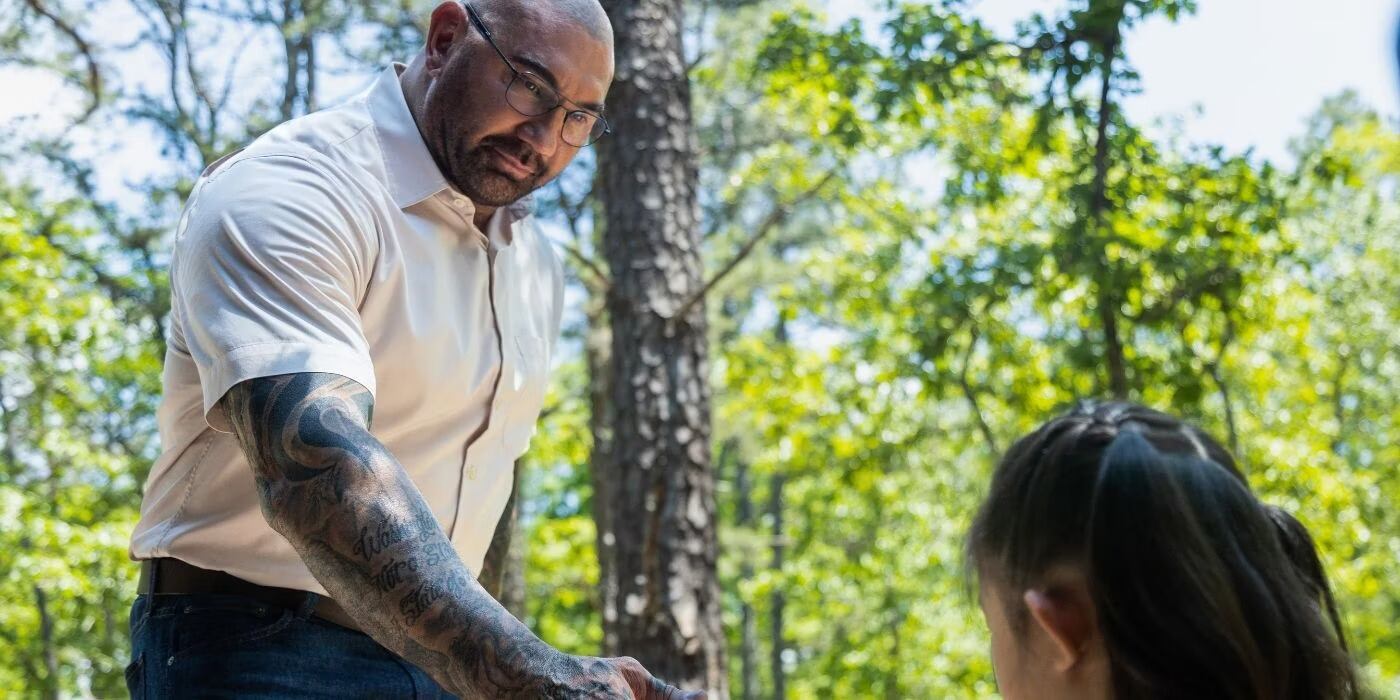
1244 74
1241 73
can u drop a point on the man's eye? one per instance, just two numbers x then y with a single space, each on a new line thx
536 88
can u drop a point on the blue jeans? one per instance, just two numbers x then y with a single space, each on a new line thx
228 646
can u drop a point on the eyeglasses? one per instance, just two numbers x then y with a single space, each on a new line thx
532 96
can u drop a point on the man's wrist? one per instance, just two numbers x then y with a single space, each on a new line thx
530 668
566 674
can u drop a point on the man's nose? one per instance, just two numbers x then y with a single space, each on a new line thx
542 132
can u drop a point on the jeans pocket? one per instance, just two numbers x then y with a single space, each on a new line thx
140 615
200 629
136 677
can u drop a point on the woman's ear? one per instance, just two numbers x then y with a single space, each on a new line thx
1066 615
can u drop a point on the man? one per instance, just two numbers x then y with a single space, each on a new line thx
363 316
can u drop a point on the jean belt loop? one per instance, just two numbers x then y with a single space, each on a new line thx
308 606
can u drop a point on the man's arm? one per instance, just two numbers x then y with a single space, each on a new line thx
348 507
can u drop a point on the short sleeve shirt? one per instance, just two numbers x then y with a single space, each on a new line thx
333 244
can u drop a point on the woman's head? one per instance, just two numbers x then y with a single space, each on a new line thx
1120 553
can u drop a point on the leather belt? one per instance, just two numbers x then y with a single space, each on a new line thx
168 576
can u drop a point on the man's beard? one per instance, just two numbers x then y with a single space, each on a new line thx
479 178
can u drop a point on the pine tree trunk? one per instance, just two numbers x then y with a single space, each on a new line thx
496 564
513 578
598 354
748 618
50 688
779 601
662 501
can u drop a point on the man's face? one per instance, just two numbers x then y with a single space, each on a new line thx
486 149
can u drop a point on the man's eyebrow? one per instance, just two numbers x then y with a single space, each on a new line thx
539 69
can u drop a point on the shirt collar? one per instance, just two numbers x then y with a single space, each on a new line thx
409 169
411 173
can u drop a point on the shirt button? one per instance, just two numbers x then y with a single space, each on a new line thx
459 202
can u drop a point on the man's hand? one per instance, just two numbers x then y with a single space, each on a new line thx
643 686
363 529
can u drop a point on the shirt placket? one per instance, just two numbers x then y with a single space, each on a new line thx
472 458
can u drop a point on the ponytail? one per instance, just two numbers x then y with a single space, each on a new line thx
1200 590
1302 552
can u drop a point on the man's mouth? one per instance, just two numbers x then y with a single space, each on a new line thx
510 165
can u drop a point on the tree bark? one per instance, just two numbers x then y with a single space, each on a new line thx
513 579
495 566
1098 205
662 501
598 354
291 48
778 601
51 682
748 630
971 395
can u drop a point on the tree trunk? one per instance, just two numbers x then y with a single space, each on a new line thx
50 689
291 48
662 506
513 578
777 644
748 630
1098 205
494 573
598 354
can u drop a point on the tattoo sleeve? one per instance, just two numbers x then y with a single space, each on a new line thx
348 507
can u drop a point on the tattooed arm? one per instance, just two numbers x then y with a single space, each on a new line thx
348 507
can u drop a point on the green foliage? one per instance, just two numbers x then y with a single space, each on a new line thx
949 234
77 395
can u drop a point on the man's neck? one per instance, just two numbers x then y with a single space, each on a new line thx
482 216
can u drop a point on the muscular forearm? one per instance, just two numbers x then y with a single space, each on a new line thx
365 532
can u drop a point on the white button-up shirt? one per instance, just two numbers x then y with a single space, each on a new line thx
334 244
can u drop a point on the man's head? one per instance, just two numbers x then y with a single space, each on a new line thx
478 110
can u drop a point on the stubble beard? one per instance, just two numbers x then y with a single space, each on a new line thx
477 177
469 169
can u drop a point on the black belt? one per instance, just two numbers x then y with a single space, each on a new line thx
174 577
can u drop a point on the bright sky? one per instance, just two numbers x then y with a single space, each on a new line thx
1255 69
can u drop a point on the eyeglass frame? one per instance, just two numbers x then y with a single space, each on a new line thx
516 74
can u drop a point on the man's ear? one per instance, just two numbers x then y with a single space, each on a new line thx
446 27
1067 616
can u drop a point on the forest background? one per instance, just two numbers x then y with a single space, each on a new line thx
905 234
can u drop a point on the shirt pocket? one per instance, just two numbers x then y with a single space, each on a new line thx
529 379
532 356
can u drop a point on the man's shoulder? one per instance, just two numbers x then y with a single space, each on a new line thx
329 144
285 179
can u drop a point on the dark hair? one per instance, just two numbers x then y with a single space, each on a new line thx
1201 590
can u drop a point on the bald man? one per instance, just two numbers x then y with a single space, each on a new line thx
363 318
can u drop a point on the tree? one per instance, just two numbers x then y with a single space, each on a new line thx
661 506
77 401
915 234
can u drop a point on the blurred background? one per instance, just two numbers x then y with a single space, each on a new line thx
924 227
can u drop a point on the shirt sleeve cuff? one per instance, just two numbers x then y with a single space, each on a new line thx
271 359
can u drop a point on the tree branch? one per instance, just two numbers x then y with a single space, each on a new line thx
573 211
771 222
588 263
94 75
1186 290
1213 367
1098 204
971 395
